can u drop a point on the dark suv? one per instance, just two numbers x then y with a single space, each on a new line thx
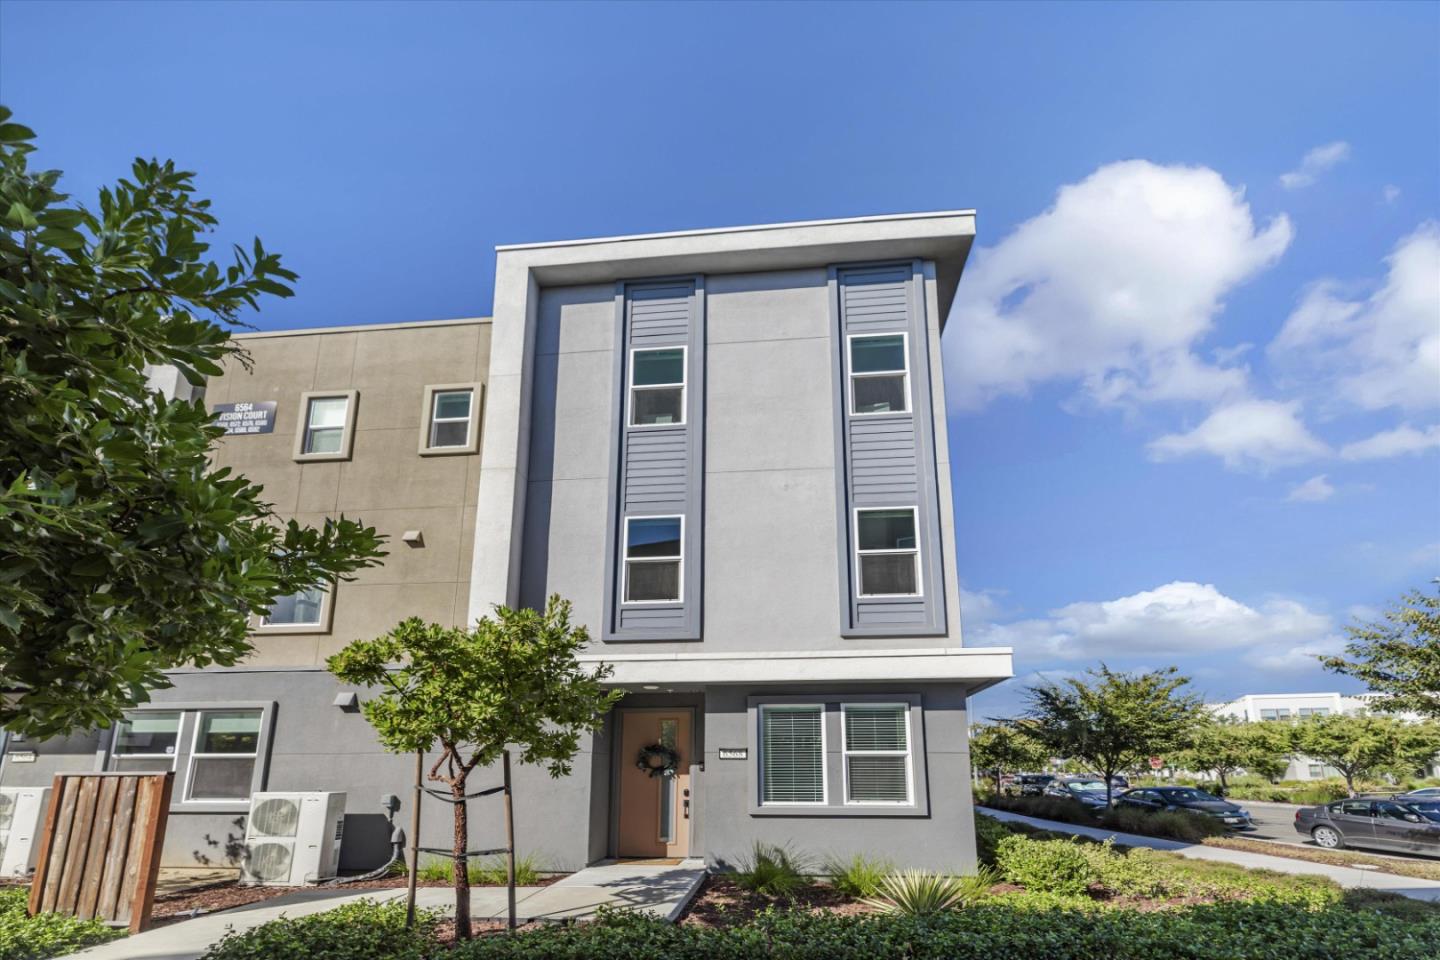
1032 784
1391 824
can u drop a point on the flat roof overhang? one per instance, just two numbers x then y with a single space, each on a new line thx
977 667
943 237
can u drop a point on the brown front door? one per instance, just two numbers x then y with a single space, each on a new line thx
654 814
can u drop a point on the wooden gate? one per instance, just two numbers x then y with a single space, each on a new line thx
100 850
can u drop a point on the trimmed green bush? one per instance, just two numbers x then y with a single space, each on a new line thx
1045 866
363 930
1171 825
23 937
994 929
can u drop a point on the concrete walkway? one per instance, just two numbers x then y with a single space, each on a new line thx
1348 877
659 888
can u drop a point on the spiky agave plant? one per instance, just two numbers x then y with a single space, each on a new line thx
921 893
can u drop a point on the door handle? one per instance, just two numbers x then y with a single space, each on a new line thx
686 805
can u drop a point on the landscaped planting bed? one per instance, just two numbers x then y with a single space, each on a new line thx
1421 869
1042 897
23 937
1167 825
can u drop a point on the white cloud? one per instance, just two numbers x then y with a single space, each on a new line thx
1402 440
1376 352
1174 620
1246 434
1315 162
1391 193
1314 490
1112 287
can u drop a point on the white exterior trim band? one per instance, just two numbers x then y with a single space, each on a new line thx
983 664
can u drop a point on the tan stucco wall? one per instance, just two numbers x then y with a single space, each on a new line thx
386 483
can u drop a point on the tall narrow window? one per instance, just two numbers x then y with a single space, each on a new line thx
303 609
325 425
654 557
877 753
792 754
879 374
222 764
450 418
888 556
145 742
657 387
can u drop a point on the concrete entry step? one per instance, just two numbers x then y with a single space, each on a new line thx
661 887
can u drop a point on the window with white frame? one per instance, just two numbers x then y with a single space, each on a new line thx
879 374
657 386
223 757
792 754
887 552
877 752
450 418
654 559
305 608
145 742
325 424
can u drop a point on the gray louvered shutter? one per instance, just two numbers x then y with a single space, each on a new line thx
792 755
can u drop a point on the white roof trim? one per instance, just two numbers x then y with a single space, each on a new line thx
976 664
874 218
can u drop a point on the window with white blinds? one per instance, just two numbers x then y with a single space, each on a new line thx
877 753
792 754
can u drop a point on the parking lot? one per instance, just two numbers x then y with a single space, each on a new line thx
1276 821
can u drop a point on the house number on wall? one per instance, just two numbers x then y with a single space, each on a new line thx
734 753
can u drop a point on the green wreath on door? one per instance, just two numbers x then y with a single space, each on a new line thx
658 760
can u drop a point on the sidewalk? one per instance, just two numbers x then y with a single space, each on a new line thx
662 889
1348 877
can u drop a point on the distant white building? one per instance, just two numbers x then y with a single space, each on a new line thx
1256 707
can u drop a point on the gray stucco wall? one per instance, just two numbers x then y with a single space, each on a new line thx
772 546
317 746
941 839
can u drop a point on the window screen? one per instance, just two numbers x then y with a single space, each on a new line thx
877 753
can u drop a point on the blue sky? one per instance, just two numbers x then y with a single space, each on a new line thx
1194 368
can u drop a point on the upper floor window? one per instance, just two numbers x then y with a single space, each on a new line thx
654 557
450 423
887 552
328 426
657 387
1282 713
879 374
222 761
145 742
792 754
325 425
303 609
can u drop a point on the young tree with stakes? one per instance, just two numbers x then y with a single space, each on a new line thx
1112 720
123 552
510 684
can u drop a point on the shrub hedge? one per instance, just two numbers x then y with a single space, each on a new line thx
362 930
23 937
1176 825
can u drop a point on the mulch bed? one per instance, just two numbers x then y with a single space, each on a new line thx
721 902
230 894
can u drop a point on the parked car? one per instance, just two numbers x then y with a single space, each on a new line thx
1033 784
1087 790
1120 781
1190 800
1378 824
1424 793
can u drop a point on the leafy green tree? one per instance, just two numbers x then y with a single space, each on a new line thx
1224 746
122 553
1363 745
1111 720
1001 747
511 683
1399 658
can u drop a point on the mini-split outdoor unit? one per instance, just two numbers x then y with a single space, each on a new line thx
293 838
22 818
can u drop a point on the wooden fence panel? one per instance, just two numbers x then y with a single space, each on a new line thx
100 850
